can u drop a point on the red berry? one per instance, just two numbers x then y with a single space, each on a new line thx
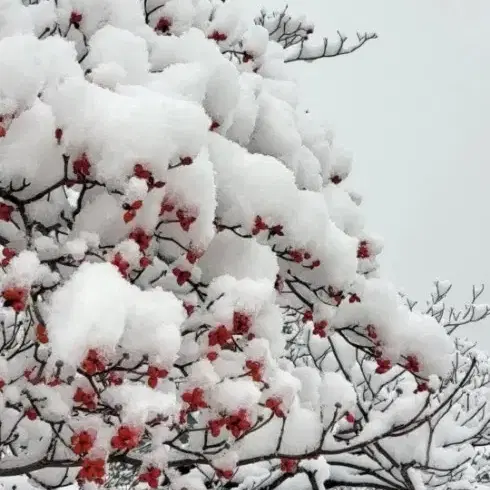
3 131
350 418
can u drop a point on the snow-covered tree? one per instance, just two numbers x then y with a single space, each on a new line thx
189 292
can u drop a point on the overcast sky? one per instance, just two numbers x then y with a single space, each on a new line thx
414 108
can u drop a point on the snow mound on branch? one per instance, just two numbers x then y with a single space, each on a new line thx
97 308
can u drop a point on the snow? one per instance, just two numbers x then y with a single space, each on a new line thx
183 248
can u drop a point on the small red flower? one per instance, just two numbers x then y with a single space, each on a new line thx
193 255
289 465
276 230
129 216
185 220
121 264
412 364
181 275
226 474
354 298
307 316
259 225
136 205
212 355
163 25
214 125
337 296
238 422
316 263
296 255
363 250
145 262
247 57
150 476
215 426
41 334
93 363
241 323
58 134
127 438
274 404
218 36
141 172
81 167
254 369
186 161
76 18
155 373
140 237
8 255
15 297
92 470
31 414
6 211
421 387
82 442
167 206
371 331
85 398
350 418
219 336
115 379
189 308
320 328
384 365
195 399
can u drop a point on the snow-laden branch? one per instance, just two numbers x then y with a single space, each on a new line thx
293 33
309 51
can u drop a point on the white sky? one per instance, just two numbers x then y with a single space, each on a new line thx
414 108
